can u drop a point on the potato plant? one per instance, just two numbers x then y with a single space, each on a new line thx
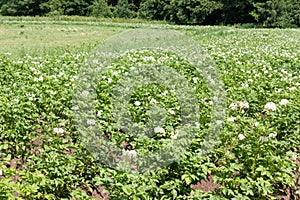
256 157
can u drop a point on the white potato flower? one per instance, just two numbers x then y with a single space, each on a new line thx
165 93
292 89
270 106
129 154
231 119
241 137
233 106
255 123
153 101
272 135
85 93
284 102
246 105
172 112
159 130
174 137
195 79
137 103
91 122
58 130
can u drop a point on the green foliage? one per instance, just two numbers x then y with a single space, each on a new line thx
179 12
277 13
69 7
22 7
125 9
155 9
55 7
236 11
100 9
270 13
192 11
250 169
41 155
43 7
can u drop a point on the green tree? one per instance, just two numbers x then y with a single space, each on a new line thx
55 7
277 13
192 11
68 7
125 9
100 9
155 9
237 11
179 11
22 7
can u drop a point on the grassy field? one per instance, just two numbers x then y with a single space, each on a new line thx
23 38
20 34
42 155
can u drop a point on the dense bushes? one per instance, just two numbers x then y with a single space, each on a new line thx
155 9
278 13
266 13
192 11
26 7
179 12
124 9
100 9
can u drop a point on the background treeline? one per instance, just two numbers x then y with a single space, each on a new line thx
266 13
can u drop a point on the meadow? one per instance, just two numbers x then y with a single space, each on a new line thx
42 156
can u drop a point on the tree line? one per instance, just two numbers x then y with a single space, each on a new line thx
266 13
